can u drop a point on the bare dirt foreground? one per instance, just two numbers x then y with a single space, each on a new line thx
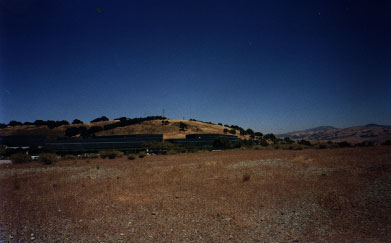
339 195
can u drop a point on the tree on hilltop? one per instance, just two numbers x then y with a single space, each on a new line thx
77 121
99 119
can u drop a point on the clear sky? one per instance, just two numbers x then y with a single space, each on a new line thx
273 66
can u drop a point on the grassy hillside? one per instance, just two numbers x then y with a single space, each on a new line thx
171 130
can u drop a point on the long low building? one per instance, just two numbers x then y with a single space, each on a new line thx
202 139
104 142
110 142
22 140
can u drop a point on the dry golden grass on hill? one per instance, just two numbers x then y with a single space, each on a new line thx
334 195
169 131
152 127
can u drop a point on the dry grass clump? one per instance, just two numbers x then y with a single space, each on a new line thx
210 163
69 157
48 158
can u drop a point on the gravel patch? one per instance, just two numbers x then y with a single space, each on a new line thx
102 173
12 172
253 163
5 161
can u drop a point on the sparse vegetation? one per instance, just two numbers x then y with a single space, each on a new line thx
341 190
132 157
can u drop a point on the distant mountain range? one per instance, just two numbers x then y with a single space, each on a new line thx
356 134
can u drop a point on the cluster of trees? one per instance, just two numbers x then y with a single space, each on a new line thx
182 126
242 131
49 123
100 119
82 130
123 121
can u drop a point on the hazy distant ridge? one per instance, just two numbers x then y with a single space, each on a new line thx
370 132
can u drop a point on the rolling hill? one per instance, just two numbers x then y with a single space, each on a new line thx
170 130
356 134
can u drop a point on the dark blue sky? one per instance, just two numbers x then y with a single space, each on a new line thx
274 66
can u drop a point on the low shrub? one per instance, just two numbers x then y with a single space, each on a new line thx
322 146
246 177
304 142
344 144
48 158
180 149
20 158
142 154
110 154
92 156
131 157
295 147
69 157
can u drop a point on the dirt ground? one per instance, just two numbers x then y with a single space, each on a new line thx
337 195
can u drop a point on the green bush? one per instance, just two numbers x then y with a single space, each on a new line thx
131 157
48 158
20 158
